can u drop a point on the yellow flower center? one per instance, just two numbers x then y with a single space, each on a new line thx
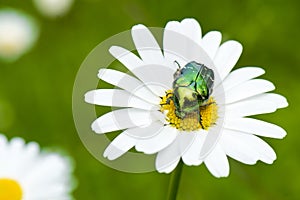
203 118
10 189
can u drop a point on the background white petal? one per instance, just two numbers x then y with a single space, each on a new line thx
18 33
53 8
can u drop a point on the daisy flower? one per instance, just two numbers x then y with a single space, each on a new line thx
53 8
183 102
28 174
18 33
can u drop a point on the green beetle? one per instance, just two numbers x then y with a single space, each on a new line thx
192 86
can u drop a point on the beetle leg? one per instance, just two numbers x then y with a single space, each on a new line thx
169 124
200 120
205 105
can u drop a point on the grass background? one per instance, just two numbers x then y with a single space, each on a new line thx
36 91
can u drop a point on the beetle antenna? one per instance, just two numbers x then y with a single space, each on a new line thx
178 65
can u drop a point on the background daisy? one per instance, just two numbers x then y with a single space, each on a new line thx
18 33
53 8
27 173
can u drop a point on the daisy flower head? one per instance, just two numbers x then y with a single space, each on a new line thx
53 8
182 101
18 33
26 173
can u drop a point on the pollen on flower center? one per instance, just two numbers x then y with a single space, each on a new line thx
203 118
10 189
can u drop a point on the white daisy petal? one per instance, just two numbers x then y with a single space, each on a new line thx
168 168
128 83
168 158
117 98
254 126
250 107
146 44
227 56
217 162
277 99
122 119
248 89
240 76
157 77
210 141
211 42
191 155
145 132
186 140
120 145
238 149
191 28
171 32
179 46
246 148
127 58
164 137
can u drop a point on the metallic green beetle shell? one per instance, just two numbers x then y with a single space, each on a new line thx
192 87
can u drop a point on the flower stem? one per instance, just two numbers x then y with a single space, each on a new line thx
174 181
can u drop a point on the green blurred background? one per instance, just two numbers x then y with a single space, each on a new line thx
36 91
